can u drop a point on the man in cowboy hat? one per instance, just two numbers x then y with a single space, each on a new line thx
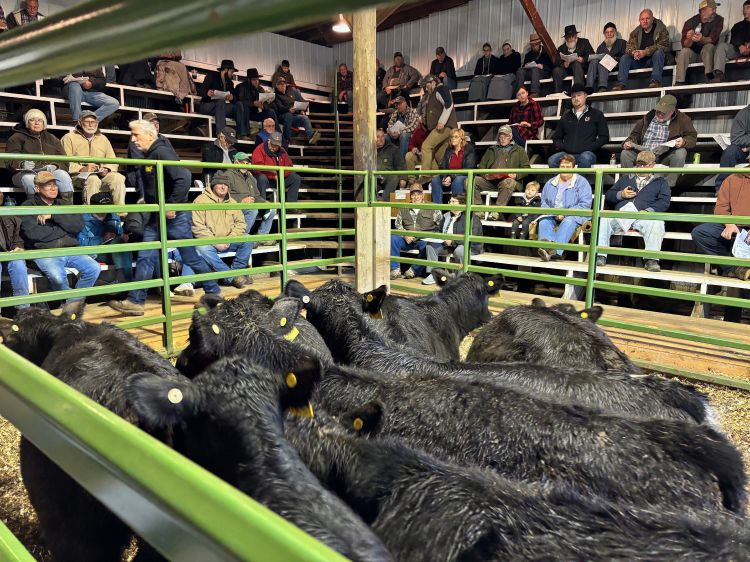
248 94
573 45
218 98
541 67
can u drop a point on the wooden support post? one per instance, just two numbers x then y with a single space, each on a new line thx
372 240
536 21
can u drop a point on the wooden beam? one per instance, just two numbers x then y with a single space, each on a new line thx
385 13
536 20
372 240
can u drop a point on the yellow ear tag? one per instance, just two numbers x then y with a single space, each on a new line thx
291 380
377 315
15 327
202 310
174 395
584 314
282 322
292 334
491 283
306 412
215 329
358 424
73 316
370 298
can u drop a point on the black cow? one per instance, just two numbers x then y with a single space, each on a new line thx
96 360
229 420
558 336
523 436
357 340
426 510
434 324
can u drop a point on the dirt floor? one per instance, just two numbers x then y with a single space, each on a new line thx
731 406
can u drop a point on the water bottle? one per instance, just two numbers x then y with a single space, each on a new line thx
698 28
697 158
613 160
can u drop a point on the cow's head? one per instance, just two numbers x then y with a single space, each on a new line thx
470 294
35 330
372 301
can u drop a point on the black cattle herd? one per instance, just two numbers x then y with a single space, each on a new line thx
358 422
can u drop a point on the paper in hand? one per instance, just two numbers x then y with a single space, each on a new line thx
572 57
219 95
608 62
301 105
741 248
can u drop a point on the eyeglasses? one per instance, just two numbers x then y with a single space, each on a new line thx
36 120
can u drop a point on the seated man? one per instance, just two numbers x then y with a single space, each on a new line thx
648 45
87 140
290 117
700 35
737 46
284 72
527 113
269 127
44 232
107 228
248 94
222 150
218 224
505 154
398 81
716 239
644 192
135 177
28 14
573 45
444 69
413 219
454 222
388 159
567 190
612 46
243 187
413 156
272 153
11 241
402 124
582 131
536 65
345 87
88 86
663 124
736 153
218 98
32 137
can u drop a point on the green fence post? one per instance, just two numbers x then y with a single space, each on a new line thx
467 229
281 183
166 299
591 273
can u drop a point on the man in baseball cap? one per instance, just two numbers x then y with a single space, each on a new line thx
272 153
665 131
402 123
700 35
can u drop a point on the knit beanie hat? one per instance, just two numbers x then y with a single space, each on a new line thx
34 114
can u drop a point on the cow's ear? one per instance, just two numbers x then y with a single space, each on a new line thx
161 402
494 283
592 314
536 302
299 383
365 420
441 276
296 290
566 308
206 303
283 315
8 326
74 312
373 300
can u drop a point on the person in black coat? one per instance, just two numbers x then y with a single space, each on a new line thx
541 67
444 68
572 45
222 150
11 241
248 94
179 223
226 107
137 73
612 46
487 63
134 176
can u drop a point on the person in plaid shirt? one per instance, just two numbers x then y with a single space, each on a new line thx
409 117
525 118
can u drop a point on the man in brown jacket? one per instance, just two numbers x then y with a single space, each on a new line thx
665 131
220 223
87 140
11 241
32 137
716 239
648 45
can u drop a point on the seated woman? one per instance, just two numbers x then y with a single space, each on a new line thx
454 222
460 156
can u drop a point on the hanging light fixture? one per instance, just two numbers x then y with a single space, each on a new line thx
342 26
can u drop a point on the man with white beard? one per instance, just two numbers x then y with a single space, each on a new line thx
87 140
612 46
573 45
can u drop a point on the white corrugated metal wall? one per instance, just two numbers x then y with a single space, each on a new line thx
463 30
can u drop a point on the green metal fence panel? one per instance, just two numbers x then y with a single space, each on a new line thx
11 549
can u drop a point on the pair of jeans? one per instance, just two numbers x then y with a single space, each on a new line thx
652 232
265 225
551 230
585 159
103 104
403 142
534 75
708 240
210 255
54 270
178 228
290 121
597 75
398 244
731 157
458 186
655 61
449 82
292 183
19 279
26 180
221 110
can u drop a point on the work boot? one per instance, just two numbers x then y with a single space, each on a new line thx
742 273
184 290
618 87
239 281
654 84
315 138
718 77
546 254
409 274
126 307
396 273
601 261
652 265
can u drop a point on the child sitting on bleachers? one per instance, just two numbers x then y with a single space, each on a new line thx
520 224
